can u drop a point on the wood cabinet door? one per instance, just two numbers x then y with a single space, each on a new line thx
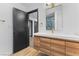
72 48
36 43
58 48
45 45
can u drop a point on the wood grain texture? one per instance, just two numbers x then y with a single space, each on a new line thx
58 54
48 46
59 42
72 44
57 47
72 48
45 51
36 43
51 47
28 52
46 40
72 51
45 45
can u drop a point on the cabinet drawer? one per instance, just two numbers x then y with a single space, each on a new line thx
72 51
59 42
72 48
72 44
59 46
58 49
56 53
46 40
45 45
45 51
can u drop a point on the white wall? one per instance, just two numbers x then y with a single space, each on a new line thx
67 18
6 28
71 18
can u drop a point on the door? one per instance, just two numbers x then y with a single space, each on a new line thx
20 30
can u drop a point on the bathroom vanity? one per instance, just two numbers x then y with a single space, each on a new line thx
55 45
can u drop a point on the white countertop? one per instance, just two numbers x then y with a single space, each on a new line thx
60 35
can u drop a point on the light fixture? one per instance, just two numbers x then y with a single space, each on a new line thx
50 5
53 5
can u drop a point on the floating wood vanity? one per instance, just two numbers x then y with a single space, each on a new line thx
56 46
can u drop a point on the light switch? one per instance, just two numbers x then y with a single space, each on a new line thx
2 20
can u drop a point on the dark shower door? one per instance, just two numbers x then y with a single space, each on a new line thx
20 30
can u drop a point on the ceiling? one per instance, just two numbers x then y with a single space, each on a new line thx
36 5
